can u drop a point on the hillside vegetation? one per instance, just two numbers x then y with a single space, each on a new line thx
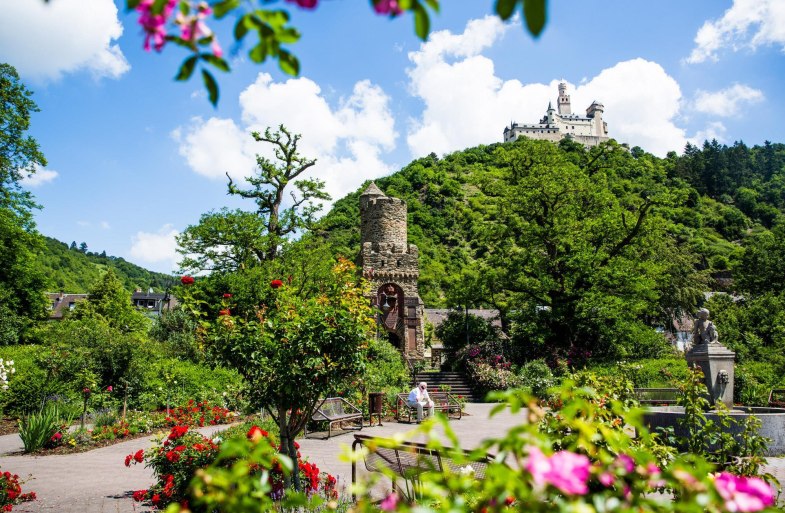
75 271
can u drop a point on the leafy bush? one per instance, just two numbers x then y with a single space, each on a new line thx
646 373
460 329
537 377
37 429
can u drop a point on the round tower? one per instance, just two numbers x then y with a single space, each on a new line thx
383 219
564 100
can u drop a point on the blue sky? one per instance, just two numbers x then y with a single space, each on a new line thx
135 157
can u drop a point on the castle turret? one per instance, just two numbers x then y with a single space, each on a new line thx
564 100
392 267
594 112
550 114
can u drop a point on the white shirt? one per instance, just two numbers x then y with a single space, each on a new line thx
419 396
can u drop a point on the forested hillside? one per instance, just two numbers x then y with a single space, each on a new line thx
574 244
75 270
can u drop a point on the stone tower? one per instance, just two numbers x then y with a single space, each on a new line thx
392 266
564 100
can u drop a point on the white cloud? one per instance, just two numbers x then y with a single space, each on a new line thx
105 225
347 139
156 248
467 104
40 177
45 40
728 101
714 130
747 24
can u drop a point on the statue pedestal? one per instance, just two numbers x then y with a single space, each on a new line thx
716 361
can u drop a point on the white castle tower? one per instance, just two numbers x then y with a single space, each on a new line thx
559 123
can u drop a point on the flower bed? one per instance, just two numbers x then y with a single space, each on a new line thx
11 492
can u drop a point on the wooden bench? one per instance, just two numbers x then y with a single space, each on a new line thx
777 398
656 396
335 410
442 401
409 460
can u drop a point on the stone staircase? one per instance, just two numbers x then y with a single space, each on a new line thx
455 380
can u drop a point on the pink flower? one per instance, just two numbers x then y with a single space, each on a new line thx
154 25
389 502
216 48
564 470
743 494
625 462
607 479
109 388
387 7
305 4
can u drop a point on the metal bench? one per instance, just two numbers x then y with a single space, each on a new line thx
442 401
409 460
777 398
656 395
335 410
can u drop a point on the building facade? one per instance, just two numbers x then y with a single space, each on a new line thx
392 266
560 122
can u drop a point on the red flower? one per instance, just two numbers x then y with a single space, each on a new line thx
225 313
276 284
187 280
156 499
172 456
177 432
227 296
128 460
109 388
256 433
139 495
139 456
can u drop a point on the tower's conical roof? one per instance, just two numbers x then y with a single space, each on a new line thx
372 190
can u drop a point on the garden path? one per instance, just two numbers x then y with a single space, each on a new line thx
97 482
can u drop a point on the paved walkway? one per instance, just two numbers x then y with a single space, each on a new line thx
98 482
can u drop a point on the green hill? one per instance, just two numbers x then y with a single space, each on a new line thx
724 195
74 271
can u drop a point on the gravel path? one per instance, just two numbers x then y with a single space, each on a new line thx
98 482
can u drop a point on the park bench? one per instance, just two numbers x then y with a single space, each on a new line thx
656 396
442 401
777 398
409 460
337 410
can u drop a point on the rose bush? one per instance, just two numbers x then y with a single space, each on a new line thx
11 492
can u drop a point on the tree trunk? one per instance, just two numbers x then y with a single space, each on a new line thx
284 431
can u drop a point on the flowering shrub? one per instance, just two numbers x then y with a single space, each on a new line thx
599 467
488 378
183 453
174 464
198 414
11 492
6 369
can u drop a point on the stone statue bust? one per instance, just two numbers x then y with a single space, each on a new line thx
704 331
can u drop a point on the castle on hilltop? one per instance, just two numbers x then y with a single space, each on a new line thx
392 266
558 124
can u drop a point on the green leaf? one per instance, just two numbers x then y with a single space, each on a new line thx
433 4
288 63
216 61
275 18
211 85
241 28
259 52
185 8
535 12
422 24
130 5
187 68
179 41
505 8
288 35
223 8
158 6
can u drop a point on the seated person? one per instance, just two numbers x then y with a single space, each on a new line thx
418 398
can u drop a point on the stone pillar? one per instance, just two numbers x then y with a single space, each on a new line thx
716 361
